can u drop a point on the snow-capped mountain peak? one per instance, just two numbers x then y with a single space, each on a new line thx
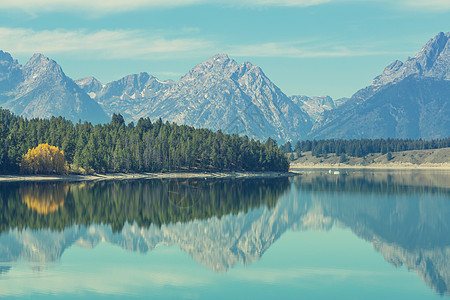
41 64
41 89
433 60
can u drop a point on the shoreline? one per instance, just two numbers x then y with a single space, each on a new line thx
393 166
427 159
135 176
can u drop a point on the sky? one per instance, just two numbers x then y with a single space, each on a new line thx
306 47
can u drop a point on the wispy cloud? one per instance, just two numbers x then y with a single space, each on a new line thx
104 43
428 5
141 45
111 6
300 50
422 5
95 6
102 7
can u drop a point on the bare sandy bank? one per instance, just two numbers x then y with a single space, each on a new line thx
130 176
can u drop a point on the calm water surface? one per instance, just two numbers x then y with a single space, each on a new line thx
357 235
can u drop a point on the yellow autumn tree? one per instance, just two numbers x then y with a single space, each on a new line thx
44 159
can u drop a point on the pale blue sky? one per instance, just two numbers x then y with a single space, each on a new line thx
309 47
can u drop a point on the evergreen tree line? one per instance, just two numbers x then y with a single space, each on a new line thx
145 147
362 147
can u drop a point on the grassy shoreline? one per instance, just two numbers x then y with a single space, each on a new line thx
430 159
394 166
131 176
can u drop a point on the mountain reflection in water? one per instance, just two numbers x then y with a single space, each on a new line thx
221 223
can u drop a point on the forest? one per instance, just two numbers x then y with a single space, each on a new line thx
362 147
148 146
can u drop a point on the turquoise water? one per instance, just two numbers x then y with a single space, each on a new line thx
352 236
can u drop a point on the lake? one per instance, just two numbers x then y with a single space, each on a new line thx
355 235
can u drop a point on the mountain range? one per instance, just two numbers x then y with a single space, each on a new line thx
408 100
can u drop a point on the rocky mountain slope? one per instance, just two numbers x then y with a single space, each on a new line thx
128 96
10 75
216 94
408 100
41 89
314 107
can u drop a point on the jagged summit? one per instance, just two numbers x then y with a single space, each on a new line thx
7 62
218 65
41 68
40 59
219 59
41 89
314 106
236 98
90 85
432 61
10 75
248 68
135 81
434 48
87 81
6 57
222 64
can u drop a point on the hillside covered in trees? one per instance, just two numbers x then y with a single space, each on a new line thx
145 147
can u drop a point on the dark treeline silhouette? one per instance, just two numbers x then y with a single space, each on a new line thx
144 147
60 205
362 147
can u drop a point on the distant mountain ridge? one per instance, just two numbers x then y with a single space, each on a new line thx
41 89
408 100
314 107
128 95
